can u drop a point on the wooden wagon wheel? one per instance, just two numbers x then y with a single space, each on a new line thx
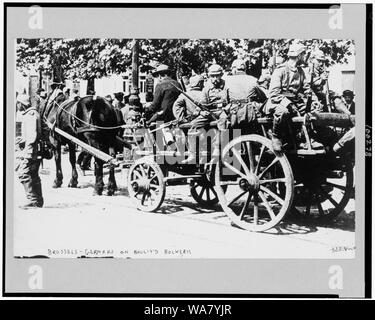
325 197
146 186
204 193
260 183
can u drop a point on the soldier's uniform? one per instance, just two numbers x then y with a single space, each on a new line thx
213 97
27 153
184 109
243 89
318 77
288 90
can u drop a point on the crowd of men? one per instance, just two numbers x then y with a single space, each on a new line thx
292 88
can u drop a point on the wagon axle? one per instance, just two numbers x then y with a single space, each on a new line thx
251 184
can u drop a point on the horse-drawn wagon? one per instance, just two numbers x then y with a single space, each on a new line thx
255 186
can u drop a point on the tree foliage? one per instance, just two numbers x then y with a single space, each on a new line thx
95 58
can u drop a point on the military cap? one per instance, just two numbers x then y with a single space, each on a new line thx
319 55
194 81
161 68
24 99
239 64
296 49
215 69
347 93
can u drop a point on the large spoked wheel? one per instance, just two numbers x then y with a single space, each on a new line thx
259 183
323 197
146 185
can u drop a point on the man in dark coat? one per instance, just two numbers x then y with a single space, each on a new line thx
166 93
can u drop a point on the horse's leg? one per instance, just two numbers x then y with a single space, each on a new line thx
99 184
59 175
112 186
72 158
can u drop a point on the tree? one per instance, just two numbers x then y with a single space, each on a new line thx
95 58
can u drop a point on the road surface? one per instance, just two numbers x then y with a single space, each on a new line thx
74 223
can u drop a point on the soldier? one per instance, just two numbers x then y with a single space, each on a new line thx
215 97
27 149
166 93
319 76
185 110
264 83
241 87
288 91
214 91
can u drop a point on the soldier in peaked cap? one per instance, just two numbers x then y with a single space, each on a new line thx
166 93
27 152
287 93
186 111
215 91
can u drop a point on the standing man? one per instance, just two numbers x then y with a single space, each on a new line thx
27 149
348 97
41 98
118 102
288 93
166 93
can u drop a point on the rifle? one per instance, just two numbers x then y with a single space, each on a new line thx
197 104
181 82
273 57
309 95
328 98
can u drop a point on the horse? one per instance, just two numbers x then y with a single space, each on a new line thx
92 120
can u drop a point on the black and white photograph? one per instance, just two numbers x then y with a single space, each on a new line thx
179 149
185 148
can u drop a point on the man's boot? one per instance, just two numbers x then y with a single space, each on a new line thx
39 195
33 199
192 143
277 144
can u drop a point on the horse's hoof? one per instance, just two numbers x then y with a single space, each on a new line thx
110 193
97 193
72 185
56 185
